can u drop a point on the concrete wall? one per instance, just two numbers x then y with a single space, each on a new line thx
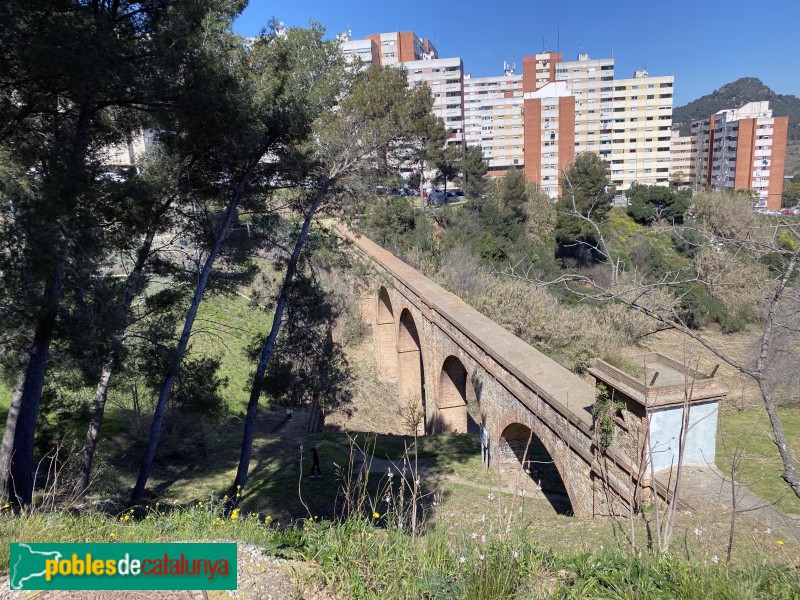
665 428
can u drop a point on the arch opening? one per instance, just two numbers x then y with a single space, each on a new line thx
385 343
521 448
411 372
452 400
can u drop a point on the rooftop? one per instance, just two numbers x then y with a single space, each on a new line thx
660 381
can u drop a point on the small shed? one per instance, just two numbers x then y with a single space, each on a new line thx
651 398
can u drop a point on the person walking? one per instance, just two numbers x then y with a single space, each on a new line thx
315 470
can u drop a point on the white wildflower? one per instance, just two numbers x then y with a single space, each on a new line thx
715 559
462 559
481 556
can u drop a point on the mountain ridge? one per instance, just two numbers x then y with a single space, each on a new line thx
734 95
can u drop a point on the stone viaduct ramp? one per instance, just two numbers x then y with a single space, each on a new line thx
460 371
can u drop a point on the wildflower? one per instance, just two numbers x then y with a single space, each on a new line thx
514 554
715 559
200 504
780 542
768 531
376 515
5 506
112 535
481 556
474 535
483 539
234 514
462 559
697 531
490 496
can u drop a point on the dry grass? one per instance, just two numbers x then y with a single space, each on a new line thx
743 392
374 407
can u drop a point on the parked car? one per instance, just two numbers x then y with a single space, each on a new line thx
437 197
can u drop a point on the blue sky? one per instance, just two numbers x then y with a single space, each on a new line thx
669 37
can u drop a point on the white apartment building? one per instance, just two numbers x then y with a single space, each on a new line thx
493 119
641 131
590 82
682 157
584 109
445 78
128 154
742 148
363 51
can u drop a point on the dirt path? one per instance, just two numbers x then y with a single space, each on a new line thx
709 490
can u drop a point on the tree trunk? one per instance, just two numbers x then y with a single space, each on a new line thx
266 353
180 351
7 446
790 473
21 472
132 284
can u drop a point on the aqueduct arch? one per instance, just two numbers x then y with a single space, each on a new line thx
410 368
520 446
385 335
451 401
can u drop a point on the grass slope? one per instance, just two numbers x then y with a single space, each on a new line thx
749 431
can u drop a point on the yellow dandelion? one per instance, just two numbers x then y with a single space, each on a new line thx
235 514
780 542
112 535
376 515
6 505
200 504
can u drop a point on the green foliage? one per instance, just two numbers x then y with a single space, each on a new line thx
603 412
512 194
688 240
650 203
791 194
198 389
474 170
446 160
391 221
586 193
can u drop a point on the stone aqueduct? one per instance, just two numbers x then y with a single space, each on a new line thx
460 366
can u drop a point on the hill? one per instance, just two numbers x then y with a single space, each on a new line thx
733 95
